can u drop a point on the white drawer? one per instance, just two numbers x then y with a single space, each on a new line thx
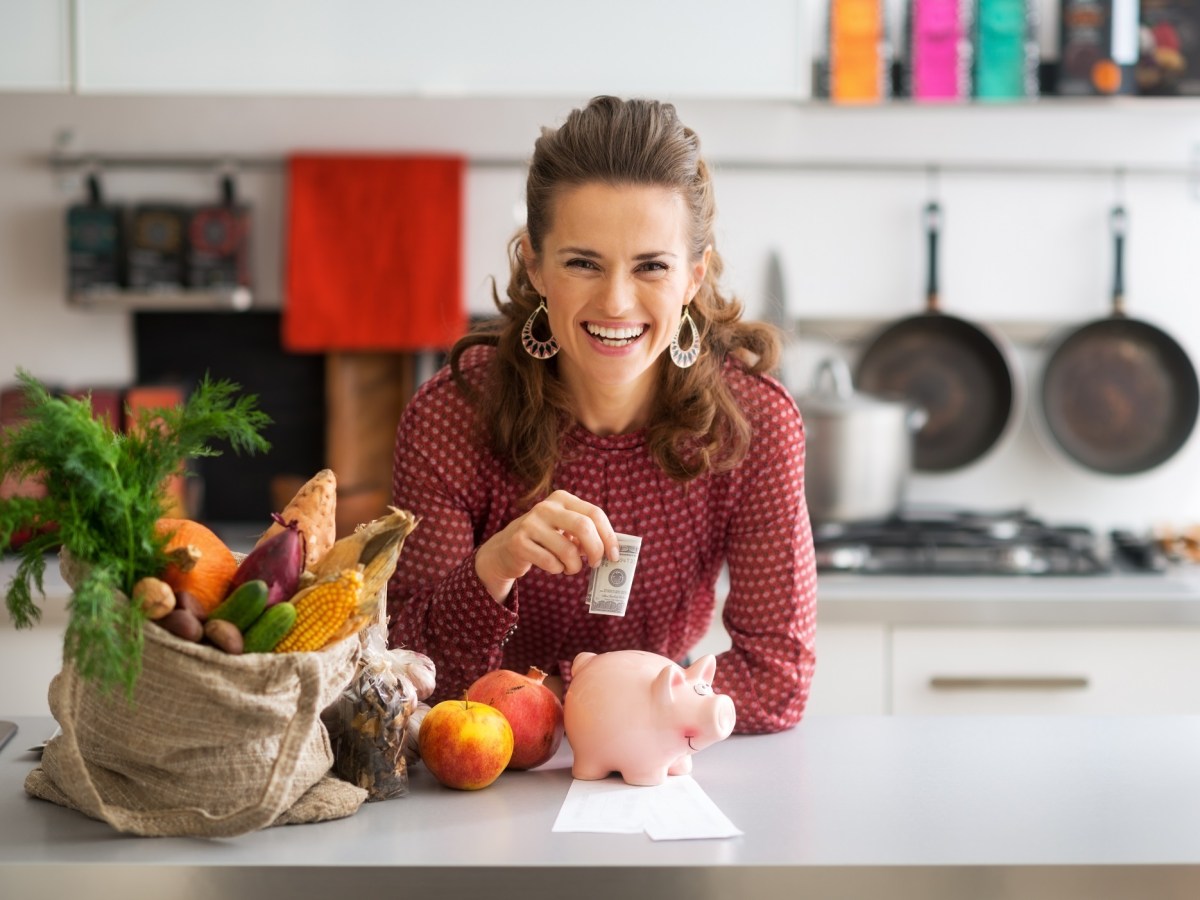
1021 671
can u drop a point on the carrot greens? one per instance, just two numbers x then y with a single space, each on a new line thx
104 492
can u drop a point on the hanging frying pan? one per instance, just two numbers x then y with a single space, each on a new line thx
956 372
1119 395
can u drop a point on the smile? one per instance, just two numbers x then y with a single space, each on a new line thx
615 337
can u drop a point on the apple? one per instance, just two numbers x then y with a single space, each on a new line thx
465 744
532 709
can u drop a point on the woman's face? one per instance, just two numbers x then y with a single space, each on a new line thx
616 273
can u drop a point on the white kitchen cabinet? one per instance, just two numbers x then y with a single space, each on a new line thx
708 48
1022 671
35 45
851 676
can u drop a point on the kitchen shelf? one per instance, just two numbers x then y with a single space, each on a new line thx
859 330
238 299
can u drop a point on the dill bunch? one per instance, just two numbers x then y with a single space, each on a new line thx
104 493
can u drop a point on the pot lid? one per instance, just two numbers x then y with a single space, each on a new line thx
833 391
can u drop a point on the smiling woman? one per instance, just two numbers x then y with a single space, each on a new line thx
615 271
621 394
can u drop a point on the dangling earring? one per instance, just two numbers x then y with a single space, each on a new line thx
535 348
685 358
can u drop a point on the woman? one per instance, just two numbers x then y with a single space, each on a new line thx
620 394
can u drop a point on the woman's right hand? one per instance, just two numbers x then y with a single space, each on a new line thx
556 536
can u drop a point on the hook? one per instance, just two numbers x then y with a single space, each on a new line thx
226 174
932 174
1119 186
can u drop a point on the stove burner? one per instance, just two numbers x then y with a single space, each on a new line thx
957 542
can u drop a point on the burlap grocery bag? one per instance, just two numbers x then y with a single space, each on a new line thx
212 745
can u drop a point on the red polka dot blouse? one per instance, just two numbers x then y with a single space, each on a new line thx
753 518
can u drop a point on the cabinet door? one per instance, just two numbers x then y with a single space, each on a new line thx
471 47
34 44
851 671
1122 671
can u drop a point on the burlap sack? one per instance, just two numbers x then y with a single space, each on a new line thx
212 745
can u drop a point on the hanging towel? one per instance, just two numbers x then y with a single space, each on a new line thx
374 253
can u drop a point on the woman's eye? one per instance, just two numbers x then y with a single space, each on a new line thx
654 266
581 263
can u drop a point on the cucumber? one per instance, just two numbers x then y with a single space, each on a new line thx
270 628
244 605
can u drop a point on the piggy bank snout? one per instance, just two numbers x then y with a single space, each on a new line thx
724 717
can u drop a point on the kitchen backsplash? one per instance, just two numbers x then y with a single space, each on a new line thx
1025 192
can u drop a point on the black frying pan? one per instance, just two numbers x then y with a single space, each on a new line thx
1119 396
952 369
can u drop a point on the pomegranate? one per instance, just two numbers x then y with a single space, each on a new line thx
535 714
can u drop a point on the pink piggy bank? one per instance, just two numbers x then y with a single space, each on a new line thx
641 715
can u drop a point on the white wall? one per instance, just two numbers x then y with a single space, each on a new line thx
1023 246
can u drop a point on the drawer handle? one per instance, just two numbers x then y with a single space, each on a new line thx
1008 682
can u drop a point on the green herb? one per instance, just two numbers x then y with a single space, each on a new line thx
104 493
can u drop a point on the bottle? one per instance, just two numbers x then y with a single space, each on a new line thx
938 49
1006 50
1099 47
859 58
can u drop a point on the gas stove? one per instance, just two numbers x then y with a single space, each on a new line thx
931 541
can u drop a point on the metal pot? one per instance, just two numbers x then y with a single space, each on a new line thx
859 448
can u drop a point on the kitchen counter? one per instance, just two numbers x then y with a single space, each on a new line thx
1116 599
846 806
1170 598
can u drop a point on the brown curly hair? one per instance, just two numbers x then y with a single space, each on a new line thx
695 425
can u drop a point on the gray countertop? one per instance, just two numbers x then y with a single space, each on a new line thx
953 806
1118 599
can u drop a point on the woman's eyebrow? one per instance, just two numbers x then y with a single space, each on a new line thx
592 254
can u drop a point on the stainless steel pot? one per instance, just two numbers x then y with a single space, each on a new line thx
859 448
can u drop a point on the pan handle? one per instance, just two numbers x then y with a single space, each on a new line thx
1119 222
933 223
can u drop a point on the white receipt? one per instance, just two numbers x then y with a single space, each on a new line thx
677 809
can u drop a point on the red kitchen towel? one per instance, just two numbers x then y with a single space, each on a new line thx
374 253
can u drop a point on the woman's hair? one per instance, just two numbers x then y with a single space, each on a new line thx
695 425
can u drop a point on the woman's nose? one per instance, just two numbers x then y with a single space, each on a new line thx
618 297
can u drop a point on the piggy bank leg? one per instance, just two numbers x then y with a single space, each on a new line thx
681 766
589 770
645 777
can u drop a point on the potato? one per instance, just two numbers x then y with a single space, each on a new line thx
225 635
182 624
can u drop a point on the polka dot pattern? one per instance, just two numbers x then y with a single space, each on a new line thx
754 518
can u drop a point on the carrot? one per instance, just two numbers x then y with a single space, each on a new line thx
313 510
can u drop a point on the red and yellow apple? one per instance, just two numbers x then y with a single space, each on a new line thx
466 745
532 709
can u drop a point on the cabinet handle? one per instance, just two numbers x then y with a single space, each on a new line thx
1008 682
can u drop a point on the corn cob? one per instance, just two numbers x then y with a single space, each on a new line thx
322 611
365 545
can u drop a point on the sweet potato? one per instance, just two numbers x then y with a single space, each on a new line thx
313 509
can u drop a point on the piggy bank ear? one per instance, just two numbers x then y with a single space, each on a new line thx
703 669
669 680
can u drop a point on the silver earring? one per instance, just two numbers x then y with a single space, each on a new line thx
535 348
679 356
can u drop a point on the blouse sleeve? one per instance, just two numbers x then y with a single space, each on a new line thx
436 602
770 613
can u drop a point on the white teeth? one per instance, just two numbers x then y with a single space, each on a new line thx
615 334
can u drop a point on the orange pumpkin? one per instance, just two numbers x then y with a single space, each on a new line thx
201 563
